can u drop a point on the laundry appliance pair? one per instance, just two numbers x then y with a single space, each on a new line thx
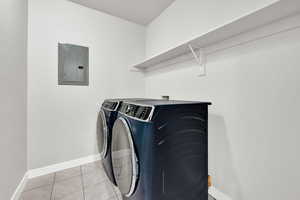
159 150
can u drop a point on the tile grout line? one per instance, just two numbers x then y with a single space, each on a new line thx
111 185
116 195
65 179
113 189
53 186
82 183
37 187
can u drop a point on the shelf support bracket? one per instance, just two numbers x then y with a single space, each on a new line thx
200 59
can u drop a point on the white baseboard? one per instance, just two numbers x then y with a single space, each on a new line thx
217 194
61 166
20 188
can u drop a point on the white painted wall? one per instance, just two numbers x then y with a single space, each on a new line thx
255 91
62 119
13 37
186 20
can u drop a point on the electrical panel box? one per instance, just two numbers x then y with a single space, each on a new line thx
73 65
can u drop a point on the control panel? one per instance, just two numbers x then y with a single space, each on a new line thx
136 111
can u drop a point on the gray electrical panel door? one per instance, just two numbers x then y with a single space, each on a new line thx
73 65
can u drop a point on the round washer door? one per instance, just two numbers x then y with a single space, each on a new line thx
124 160
102 134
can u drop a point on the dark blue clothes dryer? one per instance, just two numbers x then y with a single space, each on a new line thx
159 150
106 119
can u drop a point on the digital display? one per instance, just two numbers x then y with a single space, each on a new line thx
136 111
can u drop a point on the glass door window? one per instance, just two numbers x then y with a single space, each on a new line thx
102 134
124 159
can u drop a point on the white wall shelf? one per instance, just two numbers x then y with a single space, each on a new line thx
276 11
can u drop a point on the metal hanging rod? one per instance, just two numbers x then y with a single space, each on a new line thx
200 54
254 40
201 58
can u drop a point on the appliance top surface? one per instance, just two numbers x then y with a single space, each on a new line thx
124 99
158 102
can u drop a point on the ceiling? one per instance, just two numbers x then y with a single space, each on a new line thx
138 11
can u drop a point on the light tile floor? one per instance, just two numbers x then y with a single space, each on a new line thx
87 182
